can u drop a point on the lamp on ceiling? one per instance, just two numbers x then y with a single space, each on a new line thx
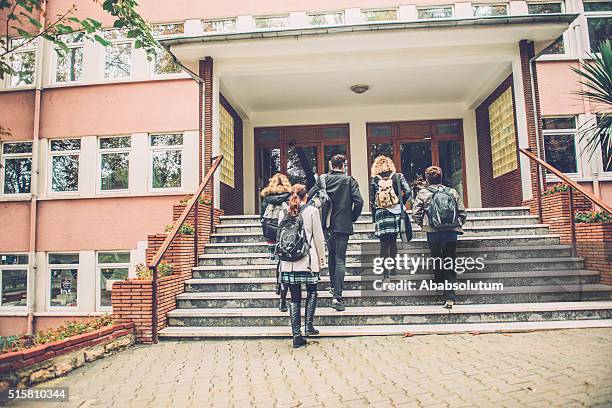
360 88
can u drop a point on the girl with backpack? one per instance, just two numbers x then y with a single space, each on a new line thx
275 198
301 248
388 193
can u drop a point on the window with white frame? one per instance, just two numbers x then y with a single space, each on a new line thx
599 22
69 62
325 19
16 167
428 13
379 15
118 57
13 280
166 160
63 278
64 163
114 162
490 10
112 266
22 61
222 25
555 7
164 63
271 22
559 136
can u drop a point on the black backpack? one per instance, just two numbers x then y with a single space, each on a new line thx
323 203
291 242
443 211
269 222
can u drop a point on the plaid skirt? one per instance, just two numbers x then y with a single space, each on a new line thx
386 222
298 277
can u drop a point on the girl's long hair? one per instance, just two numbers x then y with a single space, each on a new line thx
278 184
298 192
382 164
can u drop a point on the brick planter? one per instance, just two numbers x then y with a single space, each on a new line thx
132 299
41 363
594 244
556 212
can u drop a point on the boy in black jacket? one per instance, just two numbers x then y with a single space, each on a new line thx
347 204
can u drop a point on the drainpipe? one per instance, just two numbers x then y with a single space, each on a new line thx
34 179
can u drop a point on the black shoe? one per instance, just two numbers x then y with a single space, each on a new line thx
311 306
449 304
282 305
337 304
296 325
299 342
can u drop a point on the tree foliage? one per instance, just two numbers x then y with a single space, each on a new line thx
596 79
29 19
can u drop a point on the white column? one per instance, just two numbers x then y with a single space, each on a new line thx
521 125
248 166
215 133
463 10
518 8
297 19
193 27
352 15
88 166
87 282
472 163
408 13
359 156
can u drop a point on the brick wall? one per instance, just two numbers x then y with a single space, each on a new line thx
132 299
555 212
505 190
594 244
232 199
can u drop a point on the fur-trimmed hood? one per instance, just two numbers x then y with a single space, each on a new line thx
275 190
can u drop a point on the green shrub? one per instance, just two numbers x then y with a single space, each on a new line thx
590 217
68 329
163 269
557 188
186 229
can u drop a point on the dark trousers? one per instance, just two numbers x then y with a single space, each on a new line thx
388 249
336 246
444 249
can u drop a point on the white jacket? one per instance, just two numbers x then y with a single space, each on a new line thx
314 234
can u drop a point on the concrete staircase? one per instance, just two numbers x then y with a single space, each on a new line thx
232 293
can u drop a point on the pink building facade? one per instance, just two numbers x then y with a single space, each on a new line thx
97 147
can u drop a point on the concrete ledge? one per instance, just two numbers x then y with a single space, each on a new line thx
41 363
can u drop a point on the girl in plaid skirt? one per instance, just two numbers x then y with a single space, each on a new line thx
305 270
387 220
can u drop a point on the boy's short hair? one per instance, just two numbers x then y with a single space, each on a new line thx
433 175
337 161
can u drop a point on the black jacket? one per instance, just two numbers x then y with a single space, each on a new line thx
405 188
346 200
273 199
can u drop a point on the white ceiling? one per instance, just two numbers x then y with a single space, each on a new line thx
388 86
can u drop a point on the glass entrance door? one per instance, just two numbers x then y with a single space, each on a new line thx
303 164
415 157
414 146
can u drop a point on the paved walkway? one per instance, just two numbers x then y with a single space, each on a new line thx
555 368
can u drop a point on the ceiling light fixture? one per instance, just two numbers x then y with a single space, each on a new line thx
359 89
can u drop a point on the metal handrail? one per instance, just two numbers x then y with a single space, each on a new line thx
572 185
191 204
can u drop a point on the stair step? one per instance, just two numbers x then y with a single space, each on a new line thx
194 333
360 224
472 212
355 298
398 315
516 278
416 244
492 265
253 236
